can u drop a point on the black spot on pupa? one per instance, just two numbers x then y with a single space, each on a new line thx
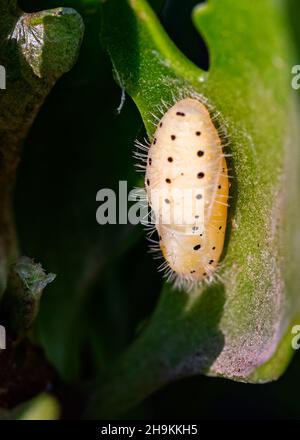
168 180
204 274
195 228
200 175
213 248
170 159
200 153
150 161
197 247
219 186
210 261
167 200
161 124
180 114
220 227
148 182
199 196
173 137
196 216
154 141
193 271
198 133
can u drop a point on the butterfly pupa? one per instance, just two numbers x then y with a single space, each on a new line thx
186 157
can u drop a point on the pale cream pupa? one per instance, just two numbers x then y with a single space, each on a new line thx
186 153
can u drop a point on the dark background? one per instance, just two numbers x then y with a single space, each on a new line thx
78 145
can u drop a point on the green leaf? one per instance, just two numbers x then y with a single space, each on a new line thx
237 327
21 299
